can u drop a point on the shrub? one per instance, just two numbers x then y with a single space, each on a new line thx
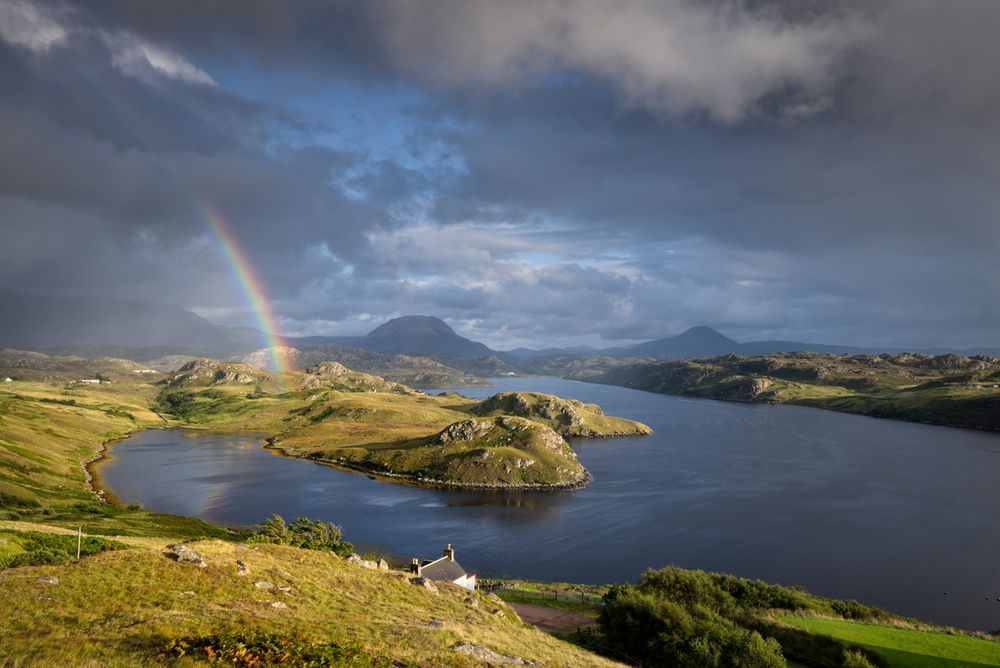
855 659
257 648
45 548
37 558
302 532
649 630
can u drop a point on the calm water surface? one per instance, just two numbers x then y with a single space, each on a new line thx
890 513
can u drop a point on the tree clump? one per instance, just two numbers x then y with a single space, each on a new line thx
302 532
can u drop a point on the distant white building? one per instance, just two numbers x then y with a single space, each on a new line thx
444 569
90 381
144 371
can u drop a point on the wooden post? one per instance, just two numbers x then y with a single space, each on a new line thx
79 537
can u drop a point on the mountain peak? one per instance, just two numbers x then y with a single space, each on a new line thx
703 334
412 325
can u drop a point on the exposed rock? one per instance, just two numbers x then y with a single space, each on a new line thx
48 579
182 552
471 602
241 569
279 572
357 559
266 586
279 604
498 613
488 656
187 593
383 565
466 430
435 624
425 583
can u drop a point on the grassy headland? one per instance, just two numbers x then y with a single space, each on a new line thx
336 416
948 390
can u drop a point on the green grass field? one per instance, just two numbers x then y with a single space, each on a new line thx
906 648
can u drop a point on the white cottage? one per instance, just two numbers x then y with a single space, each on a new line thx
444 569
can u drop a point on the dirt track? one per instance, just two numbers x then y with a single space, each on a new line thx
552 620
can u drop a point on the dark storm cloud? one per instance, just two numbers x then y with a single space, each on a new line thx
567 170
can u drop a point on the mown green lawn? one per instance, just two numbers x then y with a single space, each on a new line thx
906 648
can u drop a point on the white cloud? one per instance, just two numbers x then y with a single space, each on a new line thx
673 57
26 25
139 58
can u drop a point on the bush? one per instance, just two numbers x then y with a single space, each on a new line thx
855 659
648 630
45 548
37 558
304 533
257 648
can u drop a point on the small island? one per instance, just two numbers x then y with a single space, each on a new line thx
360 422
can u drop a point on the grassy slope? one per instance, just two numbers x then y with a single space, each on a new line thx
568 417
906 648
44 439
118 608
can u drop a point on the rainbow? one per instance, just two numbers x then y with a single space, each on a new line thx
249 283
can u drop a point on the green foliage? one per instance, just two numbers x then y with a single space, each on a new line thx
814 650
34 548
649 630
851 609
260 648
855 659
304 533
119 412
693 618
178 404
729 594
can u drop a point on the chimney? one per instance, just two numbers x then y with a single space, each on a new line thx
450 553
415 567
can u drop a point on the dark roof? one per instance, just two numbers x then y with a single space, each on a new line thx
443 569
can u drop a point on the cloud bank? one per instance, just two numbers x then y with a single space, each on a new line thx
537 173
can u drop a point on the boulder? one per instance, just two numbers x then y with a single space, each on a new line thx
182 552
356 559
488 656
425 583
266 586
48 579
241 569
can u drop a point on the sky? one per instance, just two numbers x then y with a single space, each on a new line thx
535 172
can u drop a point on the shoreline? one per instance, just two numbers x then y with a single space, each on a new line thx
433 483
801 404
91 469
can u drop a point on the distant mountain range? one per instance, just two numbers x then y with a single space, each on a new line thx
92 327
704 341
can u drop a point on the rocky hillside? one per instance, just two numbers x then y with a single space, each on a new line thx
335 376
209 373
494 452
568 417
943 389
411 370
25 365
